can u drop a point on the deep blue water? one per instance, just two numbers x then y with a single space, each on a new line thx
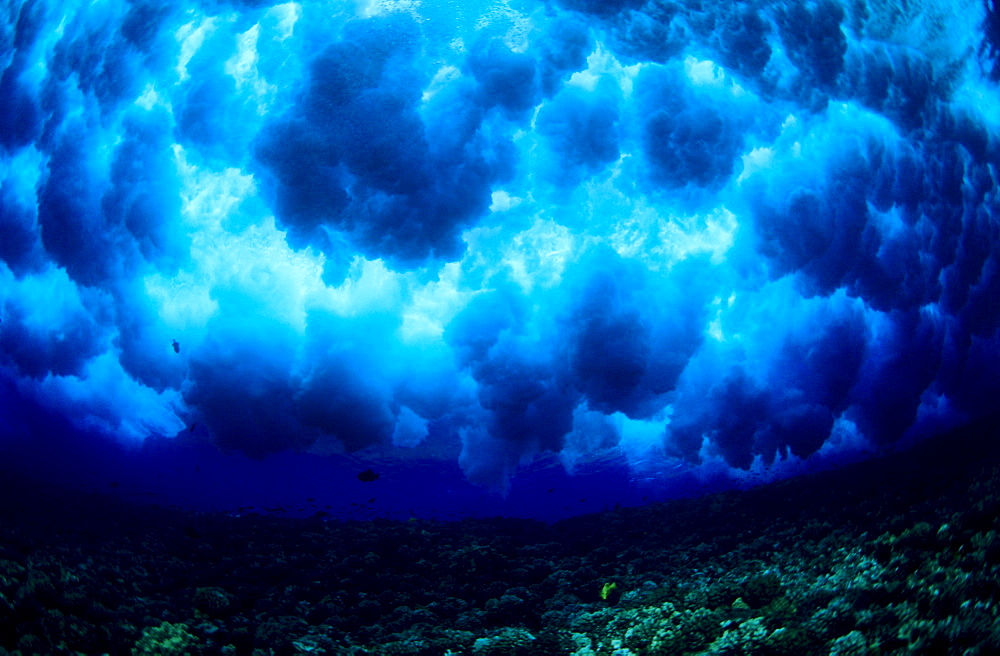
520 258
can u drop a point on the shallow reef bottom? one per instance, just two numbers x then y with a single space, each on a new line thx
891 556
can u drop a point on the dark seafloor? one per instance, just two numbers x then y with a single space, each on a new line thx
898 555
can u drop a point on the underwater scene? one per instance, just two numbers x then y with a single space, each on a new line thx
488 327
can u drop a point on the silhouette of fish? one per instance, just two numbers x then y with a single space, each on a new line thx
177 346
367 476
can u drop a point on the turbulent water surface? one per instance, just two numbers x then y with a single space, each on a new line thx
679 244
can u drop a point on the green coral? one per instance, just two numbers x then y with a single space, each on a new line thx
164 640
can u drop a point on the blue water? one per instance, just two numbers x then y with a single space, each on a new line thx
524 258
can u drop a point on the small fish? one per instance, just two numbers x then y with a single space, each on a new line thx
367 476
177 346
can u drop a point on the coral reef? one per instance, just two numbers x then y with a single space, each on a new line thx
887 557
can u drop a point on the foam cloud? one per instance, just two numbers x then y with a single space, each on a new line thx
681 232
